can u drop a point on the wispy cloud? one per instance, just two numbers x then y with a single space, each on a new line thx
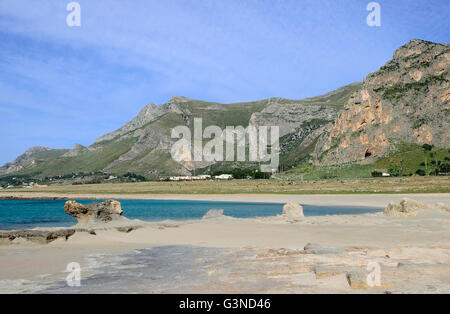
126 54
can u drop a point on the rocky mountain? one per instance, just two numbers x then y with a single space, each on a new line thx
143 145
28 158
407 100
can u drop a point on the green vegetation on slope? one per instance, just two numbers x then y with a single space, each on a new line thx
222 115
411 159
338 97
399 90
49 154
91 161
344 171
407 160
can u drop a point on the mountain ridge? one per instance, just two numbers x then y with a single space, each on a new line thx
358 122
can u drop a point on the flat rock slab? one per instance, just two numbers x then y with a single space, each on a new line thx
42 237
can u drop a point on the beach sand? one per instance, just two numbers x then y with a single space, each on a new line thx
369 200
258 255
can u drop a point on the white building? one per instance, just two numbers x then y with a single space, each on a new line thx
181 178
224 177
191 178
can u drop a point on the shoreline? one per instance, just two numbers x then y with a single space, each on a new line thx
362 200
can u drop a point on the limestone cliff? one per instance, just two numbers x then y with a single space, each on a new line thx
407 100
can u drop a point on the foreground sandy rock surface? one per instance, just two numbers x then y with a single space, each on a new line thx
319 254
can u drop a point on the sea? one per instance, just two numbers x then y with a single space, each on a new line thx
28 214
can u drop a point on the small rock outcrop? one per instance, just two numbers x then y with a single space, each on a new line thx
126 229
317 249
406 208
443 207
357 280
293 212
326 271
75 151
36 236
214 213
94 213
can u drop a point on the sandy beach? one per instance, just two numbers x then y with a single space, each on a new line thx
259 255
369 200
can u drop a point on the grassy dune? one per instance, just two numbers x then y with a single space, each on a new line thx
332 186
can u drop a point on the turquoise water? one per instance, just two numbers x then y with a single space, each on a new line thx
19 214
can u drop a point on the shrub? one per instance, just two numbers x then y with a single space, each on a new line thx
377 174
420 172
394 171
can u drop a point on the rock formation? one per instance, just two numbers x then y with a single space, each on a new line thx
77 149
213 213
94 213
36 236
406 208
91 217
407 100
315 248
443 207
293 212
358 280
29 157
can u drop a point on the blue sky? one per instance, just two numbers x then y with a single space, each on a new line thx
61 85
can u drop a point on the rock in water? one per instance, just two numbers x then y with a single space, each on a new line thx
213 213
406 208
94 213
293 211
